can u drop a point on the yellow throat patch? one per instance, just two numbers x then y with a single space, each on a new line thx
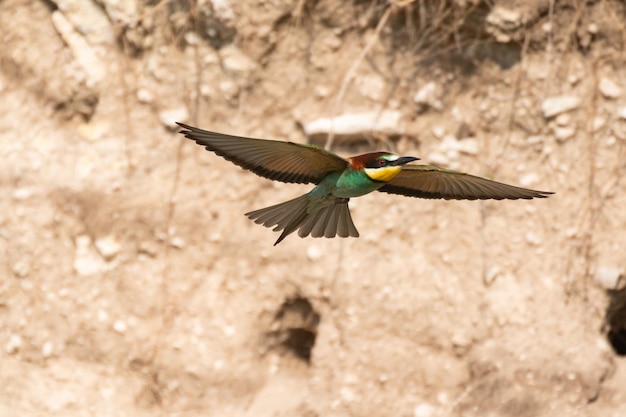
384 174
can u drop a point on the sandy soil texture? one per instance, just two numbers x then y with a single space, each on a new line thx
133 285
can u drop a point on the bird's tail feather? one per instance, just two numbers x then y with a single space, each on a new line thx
330 221
326 221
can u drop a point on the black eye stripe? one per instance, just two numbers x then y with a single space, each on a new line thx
377 163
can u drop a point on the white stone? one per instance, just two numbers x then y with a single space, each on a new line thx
192 38
621 113
460 340
533 239
120 326
439 158
609 88
229 88
547 27
22 193
81 50
468 146
21 268
563 119
313 253
452 146
108 247
371 86
429 96
58 400
169 117
47 349
178 242
206 90
564 133
598 123
102 315
13 344
149 247
491 275
439 132
348 395
529 179
322 91
501 21
610 277
94 130
228 330
235 61
86 261
223 9
553 106
122 11
535 139
145 96
388 122
424 410
89 19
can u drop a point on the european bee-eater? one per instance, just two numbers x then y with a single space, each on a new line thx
323 211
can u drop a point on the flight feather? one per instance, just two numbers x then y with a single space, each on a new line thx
276 160
427 181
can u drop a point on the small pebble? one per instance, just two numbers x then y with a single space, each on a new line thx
529 179
554 106
439 132
178 242
313 253
424 410
145 96
191 38
564 133
491 275
229 88
533 239
47 349
609 277
22 193
235 61
119 326
563 119
429 96
108 247
609 88
13 344
169 117
598 123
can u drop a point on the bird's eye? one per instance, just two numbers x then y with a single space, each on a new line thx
382 162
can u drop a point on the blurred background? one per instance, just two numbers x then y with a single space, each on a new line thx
132 283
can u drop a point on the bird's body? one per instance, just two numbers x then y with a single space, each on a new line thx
323 211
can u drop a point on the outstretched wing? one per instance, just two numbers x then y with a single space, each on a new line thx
279 161
427 181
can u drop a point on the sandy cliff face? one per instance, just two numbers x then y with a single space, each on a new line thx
132 283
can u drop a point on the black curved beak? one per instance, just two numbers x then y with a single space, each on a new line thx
403 160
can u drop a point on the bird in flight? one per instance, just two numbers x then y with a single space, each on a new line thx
323 211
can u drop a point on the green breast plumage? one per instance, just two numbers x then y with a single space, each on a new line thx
353 183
